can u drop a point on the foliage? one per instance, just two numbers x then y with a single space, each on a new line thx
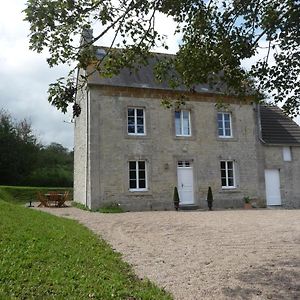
24 161
210 198
247 199
176 199
111 208
45 257
22 195
18 149
216 37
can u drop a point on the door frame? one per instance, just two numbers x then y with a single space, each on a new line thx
278 172
191 167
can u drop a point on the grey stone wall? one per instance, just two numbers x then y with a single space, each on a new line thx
111 149
289 173
80 149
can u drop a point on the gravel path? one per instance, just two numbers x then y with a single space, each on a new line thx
206 255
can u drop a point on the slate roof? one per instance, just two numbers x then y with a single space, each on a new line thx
277 128
144 77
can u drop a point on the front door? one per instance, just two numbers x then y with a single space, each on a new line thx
272 180
185 182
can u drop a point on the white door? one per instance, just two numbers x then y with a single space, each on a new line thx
272 180
185 182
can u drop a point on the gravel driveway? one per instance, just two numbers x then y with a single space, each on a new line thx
207 255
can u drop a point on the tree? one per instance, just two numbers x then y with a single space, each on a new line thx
210 198
216 38
18 149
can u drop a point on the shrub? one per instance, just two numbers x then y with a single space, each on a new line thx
176 199
210 198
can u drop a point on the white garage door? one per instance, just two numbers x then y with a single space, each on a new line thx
272 180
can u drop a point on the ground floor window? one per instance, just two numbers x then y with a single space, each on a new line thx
227 174
137 175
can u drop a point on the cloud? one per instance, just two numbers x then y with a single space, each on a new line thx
25 77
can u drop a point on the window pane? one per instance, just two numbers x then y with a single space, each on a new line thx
142 174
223 165
140 121
230 164
230 173
226 117
220 124
131 121
142 184
141 165
186 126
227 132
131 129
130 111
223 181
132 165
223 173
230 182
132 184
185 114
140 129
132 174
140 112
220 117
177 124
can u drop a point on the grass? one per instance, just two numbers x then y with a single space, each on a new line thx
109 208
46 257
22 195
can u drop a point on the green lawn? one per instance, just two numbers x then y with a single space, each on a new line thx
24 194
45 257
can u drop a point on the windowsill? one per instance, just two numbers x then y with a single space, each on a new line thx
230 190
227 139
138 193
134 137
184 137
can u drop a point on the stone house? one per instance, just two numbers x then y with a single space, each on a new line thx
131 150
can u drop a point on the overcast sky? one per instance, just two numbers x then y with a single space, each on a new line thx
25 76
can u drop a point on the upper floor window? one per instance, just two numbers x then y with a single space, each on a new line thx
224 125
227 174
287 153
182 123
136 121
137 175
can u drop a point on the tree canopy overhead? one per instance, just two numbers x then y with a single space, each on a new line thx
216 38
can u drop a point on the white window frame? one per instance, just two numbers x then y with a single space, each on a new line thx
224 136
137 189
287 154
135 121
226 174
181 122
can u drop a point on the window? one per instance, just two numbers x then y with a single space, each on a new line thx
137 175
136 121
227 174
224 125
182 123
287 154
183 164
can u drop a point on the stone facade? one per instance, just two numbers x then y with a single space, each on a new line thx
103 149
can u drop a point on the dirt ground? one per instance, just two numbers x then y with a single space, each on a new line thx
233 254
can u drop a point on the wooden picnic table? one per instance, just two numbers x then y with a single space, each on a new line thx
51 199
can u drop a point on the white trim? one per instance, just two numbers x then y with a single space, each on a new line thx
181 122
286 154
224 136
226 187
137 176
135 121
